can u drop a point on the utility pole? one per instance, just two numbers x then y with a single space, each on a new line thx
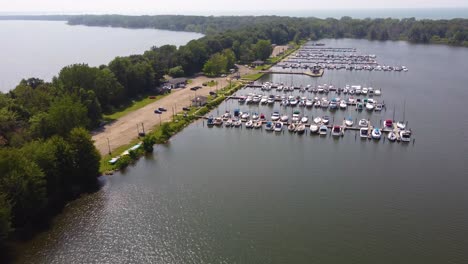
108 145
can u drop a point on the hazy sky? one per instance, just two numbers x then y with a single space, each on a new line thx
204 6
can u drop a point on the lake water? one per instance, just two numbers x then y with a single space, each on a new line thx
227 195
41 48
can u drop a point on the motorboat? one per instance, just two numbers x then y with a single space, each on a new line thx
378 92
309 103
291 127
269 126
279 88
262 117
264 100
258 124
401 125
378 107
343 104
300 128
256 99
363 123
392 136
278 126
349 122
228 123
359 106
271 100
364 132
325 103
210 121
317 104
275 116
388 123
245 117
284 118
318 120
293 102
255 116
248 100
325 120
314 129
376 133
242 99
323 130
304 119
237 123
218 121
226 116
337 131
333 105
351 100
249 124
405 135
370 106
364 90
296 116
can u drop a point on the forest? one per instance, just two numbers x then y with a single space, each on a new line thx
453 32
47 157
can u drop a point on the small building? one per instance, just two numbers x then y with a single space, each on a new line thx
258 63
177 83
199 101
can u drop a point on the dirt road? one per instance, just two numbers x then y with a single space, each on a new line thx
124 130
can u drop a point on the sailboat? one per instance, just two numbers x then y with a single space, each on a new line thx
401 124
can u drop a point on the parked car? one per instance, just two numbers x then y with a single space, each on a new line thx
195 88
162 109
186 108
212 93
157 112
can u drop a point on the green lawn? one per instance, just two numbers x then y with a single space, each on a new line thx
136 104
252 77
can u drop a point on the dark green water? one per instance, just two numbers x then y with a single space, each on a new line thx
247 196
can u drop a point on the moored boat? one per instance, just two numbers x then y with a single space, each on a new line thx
337 131
376 133
364 132
300 129
392 136
349 122
269 126
314 129
323 130
291 127
405 136
278 126
258 124
275 116
249 124
363 123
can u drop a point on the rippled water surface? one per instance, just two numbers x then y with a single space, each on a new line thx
225 195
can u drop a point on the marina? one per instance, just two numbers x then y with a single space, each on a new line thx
330 58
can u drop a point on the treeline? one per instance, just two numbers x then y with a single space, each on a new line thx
454 31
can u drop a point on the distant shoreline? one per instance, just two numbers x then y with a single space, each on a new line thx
399 13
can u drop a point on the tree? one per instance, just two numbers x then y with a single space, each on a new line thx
64 115
5 217
217 64
263 49
177 71
23 183
86 158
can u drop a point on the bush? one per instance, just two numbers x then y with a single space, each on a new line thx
123 162
177 71
148 143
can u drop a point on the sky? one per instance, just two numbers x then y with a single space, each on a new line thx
207 6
